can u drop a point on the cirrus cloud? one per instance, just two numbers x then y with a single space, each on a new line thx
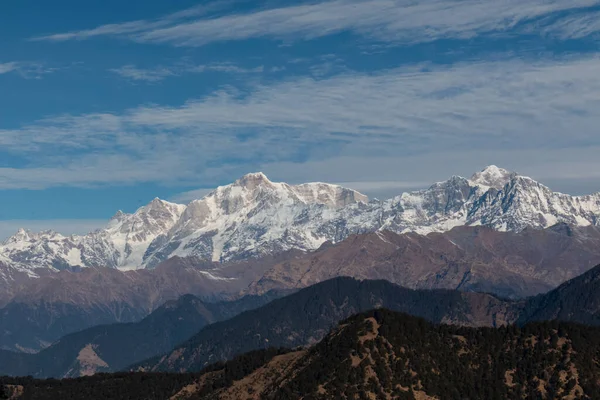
159 73
502 105
401 21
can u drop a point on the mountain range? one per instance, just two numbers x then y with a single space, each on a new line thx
480 259
188 330
507 264
254 216
193 334
495 232
303 318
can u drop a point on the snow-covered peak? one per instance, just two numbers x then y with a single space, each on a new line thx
493 177
118 215
255 216
161 208
25 235
333 196
252 180
157 212
255 188
22 235
117 219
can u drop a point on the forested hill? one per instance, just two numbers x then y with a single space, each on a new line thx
378 354
383 354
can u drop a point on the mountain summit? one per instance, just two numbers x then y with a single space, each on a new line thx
492 177
254 216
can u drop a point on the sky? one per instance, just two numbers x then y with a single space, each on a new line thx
106 104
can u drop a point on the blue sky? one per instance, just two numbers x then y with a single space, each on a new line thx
106 105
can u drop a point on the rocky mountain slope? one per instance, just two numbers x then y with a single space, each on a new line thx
112 347
382 354
479 259
254 216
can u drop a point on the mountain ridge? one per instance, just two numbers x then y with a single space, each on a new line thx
304 317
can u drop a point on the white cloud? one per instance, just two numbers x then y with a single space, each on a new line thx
27 70
140 74
159 73
227 68
404 21
574 26
139 25
63 226
8 67
506 106
509 98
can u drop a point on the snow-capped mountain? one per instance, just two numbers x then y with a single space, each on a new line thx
254 216
121 244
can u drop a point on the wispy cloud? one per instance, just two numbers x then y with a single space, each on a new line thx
132 27
403 21
27 70
141 74
573 26
227 68
421 109
8 67
159 73
419 101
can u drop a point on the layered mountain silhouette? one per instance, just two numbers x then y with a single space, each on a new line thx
298 319
375 354
306 316
47 308
113 347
